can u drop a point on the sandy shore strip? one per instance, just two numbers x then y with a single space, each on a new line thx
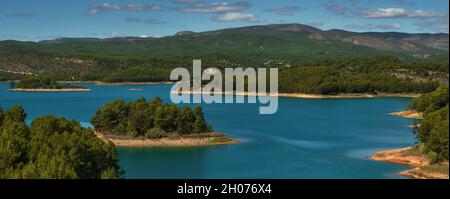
131 83
169 142
135 89
315 96
411 114
50 90
409 156
348 95
100 83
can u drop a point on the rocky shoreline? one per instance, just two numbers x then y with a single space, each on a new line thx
100 83
410 156
50 89
315 96
410 114
180 141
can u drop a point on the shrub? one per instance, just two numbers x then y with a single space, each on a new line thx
432 157
155 133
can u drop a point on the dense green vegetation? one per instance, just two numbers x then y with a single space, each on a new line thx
281 45
362 75
320 76
432 102
151 119
52 148
139 74
433 132
4 76
326 76
41 83
310 60
279 41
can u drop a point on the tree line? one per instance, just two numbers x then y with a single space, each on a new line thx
34 82
368 74
371 74
361 75
433 131
151 119
52 148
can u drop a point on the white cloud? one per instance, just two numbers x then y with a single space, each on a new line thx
394 26
237 17
217 7
355 27
422 13
95 9
384 13
397 13
116 34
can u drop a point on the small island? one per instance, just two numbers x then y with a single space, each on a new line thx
135 89
44 84
152 123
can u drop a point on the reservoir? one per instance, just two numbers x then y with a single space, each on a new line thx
305 139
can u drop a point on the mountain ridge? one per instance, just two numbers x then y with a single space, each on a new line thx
386 41
277 45
288 26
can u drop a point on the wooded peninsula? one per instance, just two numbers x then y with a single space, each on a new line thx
430 156
153 123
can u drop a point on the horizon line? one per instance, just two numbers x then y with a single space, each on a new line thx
237 27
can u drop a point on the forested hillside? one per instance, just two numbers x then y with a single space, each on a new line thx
434 129
363 75
52 148
310 60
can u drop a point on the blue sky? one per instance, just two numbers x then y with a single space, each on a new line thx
48 19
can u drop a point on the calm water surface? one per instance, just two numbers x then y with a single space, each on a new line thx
306 138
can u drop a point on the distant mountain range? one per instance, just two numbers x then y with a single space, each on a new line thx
235 46
268 36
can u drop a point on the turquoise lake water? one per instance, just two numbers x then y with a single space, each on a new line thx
305 139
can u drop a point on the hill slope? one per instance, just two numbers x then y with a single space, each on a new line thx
276 45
